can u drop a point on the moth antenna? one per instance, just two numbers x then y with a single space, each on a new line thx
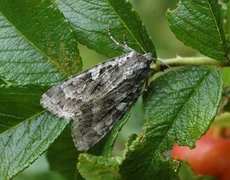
123 46
157 59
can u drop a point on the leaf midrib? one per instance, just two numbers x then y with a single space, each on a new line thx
172 122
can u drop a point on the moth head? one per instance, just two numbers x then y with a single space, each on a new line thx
148 56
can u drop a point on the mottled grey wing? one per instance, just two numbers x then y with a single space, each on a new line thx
98 97
101 115
66 98
97 123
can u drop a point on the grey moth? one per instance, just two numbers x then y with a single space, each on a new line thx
97 98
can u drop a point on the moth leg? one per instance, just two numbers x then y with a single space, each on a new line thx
144 90
146 84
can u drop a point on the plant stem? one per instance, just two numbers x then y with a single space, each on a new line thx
188 61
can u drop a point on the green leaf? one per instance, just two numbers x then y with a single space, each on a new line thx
99 167
186 173
22 144
26 131
110 141
18 104
198 24
227 18
62 155
179 108
93 19
37 44
3 81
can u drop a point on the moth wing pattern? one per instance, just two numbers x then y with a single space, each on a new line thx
97 124
97 98
65 99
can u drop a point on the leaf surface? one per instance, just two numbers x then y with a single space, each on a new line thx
99 167
18 103
179 107
198 23
22 144
62 155
37 50
93 20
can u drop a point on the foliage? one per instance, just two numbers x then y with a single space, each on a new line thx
39 47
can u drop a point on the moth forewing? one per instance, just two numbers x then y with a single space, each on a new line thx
98 97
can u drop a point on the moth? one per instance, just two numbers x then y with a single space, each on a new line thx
97 98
